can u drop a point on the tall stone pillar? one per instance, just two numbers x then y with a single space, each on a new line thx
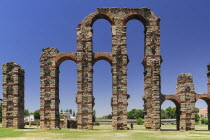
208 86
185 91
119 78
13 96
84 80
152 88
208 103
49 98
208 76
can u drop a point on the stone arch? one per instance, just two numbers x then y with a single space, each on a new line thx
64 56
89 20
172 98
136 16
205 97
151 61
175 99
102 64
102 56
146 18
85 60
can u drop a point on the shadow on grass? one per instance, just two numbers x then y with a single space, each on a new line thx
202 130
30 128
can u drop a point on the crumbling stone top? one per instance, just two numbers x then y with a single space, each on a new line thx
9 67
183 77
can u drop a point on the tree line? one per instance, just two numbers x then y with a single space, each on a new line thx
168 113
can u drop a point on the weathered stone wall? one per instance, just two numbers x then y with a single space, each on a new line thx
119 72
185 99
208 76
85 99
49 104
13 96
118 17
186 93
85 59
151 63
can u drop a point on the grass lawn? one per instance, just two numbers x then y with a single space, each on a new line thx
105 132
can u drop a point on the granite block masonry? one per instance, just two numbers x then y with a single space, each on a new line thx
13 96
85 59
118 58
50 60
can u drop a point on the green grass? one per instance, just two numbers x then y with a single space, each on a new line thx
105 132
9 132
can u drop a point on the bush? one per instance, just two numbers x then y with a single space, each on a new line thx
139 121
204 121
96 123
197 117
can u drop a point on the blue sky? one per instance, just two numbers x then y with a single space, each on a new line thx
27 26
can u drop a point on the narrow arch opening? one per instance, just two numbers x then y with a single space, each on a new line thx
67 91
170 116
101 16
135 17
102 92
202 114
135 77
102 36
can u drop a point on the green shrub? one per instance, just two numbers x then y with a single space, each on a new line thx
96 123
204 121
139 121
197 117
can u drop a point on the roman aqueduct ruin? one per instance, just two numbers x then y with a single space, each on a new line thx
184 98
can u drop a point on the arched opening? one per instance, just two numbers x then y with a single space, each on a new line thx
136 17
102 36
102 89
135 77
202 114
102 92
170 115
67 93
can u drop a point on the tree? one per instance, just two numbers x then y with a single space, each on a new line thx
26 112
170 113
204 120
197 117
196 110
163 114
73 114
37 114
70 111
139 121
135 113
107 117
